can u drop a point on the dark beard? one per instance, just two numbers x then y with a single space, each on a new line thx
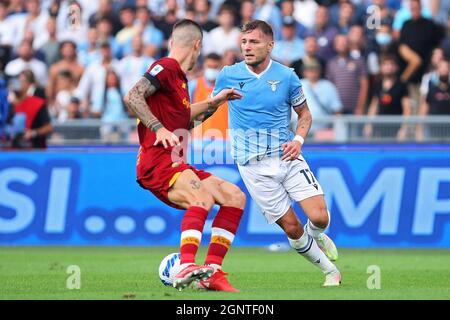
255 64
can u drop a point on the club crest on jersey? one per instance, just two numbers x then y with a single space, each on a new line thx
273 84
156 69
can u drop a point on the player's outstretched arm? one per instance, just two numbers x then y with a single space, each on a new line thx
201 111
135 101
292 149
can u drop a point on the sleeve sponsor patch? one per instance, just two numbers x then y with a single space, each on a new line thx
156 69
298 100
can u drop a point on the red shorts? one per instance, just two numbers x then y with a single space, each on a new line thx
157 172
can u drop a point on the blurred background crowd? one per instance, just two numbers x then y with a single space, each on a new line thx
62 61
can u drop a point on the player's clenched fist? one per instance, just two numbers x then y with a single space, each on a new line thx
166 137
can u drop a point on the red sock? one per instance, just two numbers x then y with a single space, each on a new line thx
224 228
191 233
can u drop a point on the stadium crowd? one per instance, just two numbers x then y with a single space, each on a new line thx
62 60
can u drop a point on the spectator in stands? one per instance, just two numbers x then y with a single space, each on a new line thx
64 92
421 35
94 77
390 98
201 8
382 44
35 21
105 33
356 42
311 48
50 47
73 109
404 14
108 105
127 16
305 11
322 95
288 10
324 33
34 110
200 89
440 10
290 48
27 61
68 62
267 11
432 75
16 7
226 35
383 15
437 101
152 37
105 11
246 12
133 66
6 30
345 17
349 76
87 52
33 88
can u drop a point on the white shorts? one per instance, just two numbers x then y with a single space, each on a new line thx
273 184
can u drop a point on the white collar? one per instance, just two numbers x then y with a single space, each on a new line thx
259 75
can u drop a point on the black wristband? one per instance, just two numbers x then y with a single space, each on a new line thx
156 126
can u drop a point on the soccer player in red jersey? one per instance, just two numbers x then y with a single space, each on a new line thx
160 99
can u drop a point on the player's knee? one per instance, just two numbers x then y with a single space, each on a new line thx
202 199
237 199
293 230
321 218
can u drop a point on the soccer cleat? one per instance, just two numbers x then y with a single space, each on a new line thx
217 282
191 273
333 279
327 246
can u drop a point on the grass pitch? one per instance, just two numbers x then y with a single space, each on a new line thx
132 273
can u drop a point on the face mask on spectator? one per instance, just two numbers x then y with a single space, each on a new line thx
443 78
383 39
211 74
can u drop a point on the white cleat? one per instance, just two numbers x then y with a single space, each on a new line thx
193 272
327 246
333 279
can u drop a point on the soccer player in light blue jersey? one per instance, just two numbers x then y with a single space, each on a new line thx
268 154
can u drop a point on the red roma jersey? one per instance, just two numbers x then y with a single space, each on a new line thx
170 103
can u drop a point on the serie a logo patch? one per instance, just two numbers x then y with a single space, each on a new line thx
156 69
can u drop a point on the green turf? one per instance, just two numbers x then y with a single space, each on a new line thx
131 273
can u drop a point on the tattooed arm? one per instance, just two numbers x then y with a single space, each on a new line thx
292 149
304 120
201 111
135 101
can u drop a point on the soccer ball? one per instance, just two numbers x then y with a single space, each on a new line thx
168 268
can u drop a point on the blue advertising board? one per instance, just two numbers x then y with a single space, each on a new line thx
378 197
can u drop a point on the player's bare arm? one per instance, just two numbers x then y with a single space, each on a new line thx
292 149
201 111
135 101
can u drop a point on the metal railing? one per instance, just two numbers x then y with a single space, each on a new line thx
339 129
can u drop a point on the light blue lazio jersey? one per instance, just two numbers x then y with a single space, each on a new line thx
259 122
